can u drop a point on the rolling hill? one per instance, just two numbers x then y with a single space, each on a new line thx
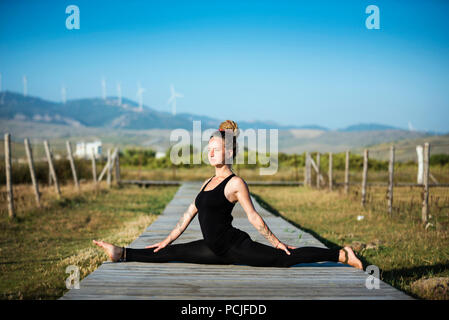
126 125
96 112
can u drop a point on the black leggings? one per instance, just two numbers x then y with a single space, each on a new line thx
248 252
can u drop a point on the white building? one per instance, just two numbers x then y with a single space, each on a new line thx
160 154
85 150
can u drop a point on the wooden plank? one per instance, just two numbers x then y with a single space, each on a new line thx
179 280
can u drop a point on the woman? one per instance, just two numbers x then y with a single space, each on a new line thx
222 243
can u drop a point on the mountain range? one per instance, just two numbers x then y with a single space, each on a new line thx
107 113
127 125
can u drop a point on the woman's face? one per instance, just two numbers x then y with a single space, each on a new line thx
216 151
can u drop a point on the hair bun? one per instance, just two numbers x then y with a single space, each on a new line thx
230 125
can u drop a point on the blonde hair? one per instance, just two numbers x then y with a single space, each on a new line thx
228 126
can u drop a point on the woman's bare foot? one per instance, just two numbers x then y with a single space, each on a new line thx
352 258
114 252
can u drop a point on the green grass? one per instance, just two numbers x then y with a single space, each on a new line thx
39 244
36 248
402 249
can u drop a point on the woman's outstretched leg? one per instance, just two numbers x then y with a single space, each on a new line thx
193 252
253 253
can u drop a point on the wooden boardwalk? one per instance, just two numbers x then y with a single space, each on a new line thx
178 280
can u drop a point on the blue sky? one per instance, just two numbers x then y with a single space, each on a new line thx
293 62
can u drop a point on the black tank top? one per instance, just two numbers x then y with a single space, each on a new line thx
214 215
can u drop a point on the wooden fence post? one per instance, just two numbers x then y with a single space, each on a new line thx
52 168
50 179
330 171
315 167
318 171
100 177
72 165
106 167
29 153
425 205
306 159
108 170
419 153
117 168
9 190
390 180
94 169
296 168
347 173
365 174
309 169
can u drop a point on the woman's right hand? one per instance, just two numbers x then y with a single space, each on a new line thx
159 245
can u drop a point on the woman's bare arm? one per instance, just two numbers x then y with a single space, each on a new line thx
177 230
242 194
262 227
183 223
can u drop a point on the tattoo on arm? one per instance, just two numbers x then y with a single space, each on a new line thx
181 221
265 231
178 229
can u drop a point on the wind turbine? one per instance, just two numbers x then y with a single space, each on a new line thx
119 93
410 127
103 87
25 86
173 97
140 92
63 94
